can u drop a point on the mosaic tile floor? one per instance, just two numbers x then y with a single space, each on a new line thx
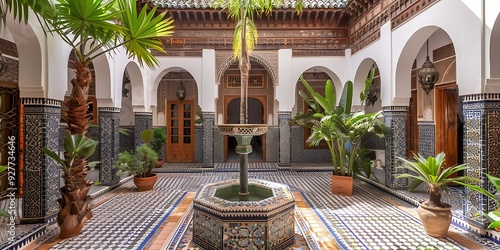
370 219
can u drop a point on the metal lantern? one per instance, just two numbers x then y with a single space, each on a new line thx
427 75
372 95
181 92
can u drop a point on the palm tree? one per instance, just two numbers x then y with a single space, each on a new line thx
245 36
20 9
91 28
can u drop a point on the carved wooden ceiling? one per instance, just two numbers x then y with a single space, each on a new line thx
324 27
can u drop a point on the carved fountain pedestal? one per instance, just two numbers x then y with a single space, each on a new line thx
255 214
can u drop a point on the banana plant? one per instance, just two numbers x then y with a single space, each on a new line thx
341 129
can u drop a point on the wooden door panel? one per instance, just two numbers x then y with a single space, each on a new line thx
447 123
180 131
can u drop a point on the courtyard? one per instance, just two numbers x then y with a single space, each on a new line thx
372 218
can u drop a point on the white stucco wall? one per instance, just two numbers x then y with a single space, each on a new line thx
465 33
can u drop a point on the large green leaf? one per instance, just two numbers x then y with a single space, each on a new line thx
79 146
346 98
143 31
20 10
4 213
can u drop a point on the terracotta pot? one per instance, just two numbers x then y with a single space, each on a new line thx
435 220
145 183
159 163
342 185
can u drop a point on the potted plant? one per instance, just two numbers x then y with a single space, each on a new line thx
74 203
434 214
157 142
342 130
141 164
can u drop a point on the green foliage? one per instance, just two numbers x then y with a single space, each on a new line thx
141 164
4 213
243 12
338 126
494 216
147 135
77 146
94 27
432 172
343 135
158 140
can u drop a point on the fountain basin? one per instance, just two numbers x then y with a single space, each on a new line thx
221 221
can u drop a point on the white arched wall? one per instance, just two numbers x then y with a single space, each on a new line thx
138 78
380 53
495 50
359 79
333 66
193 65
30 42
465 33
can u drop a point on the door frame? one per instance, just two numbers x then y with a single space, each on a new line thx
263 100
167 126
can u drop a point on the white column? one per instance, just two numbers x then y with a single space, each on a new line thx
208 86
285 90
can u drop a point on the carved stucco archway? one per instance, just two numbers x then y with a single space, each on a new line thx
268 59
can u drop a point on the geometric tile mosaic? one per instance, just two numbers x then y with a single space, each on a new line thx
284 137
370 219
481 143
41 188
143 121
109 124
395 144
208 138
112 227
426 139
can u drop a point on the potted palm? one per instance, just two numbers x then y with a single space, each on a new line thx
159 139
141 164
434 214
341 130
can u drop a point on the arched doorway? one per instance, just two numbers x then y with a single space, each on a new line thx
255 116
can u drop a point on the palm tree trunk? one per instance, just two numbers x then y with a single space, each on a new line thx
77 116
435 196
75 210
244 71
74 201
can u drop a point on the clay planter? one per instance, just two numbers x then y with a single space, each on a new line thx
342 185
159 163
146 183
435 220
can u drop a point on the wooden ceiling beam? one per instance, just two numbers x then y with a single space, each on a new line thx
204 18
308 18
196 18
212 18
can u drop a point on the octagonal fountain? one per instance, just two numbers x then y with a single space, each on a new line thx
255 214
264 221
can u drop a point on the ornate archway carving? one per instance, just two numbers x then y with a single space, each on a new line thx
268 59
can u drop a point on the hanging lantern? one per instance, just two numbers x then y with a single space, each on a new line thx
427 75
181 92
372 95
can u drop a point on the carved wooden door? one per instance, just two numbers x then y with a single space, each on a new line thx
447 124
180 131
